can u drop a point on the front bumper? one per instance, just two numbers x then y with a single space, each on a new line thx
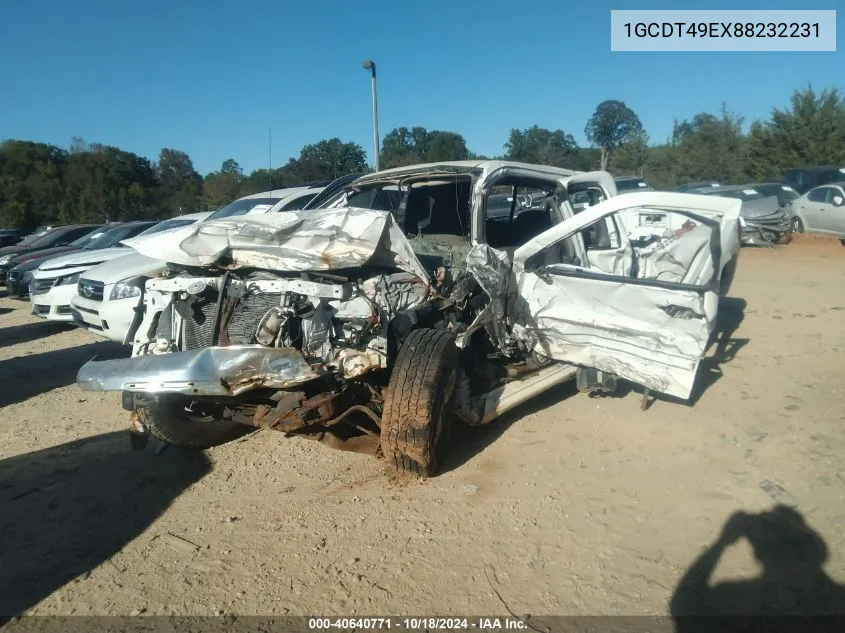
109 319
17 286
54 305
765 230
209 371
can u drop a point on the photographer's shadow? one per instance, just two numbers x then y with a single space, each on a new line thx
792 582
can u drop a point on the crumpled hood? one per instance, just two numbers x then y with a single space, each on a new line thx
760 207
296 241
85 258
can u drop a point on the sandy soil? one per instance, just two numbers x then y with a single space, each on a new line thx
570 505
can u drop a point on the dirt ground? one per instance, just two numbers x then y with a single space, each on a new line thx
570 505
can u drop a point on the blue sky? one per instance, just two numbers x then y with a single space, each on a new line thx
211 77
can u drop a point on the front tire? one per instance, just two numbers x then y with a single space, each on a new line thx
172 419
797 226
418 404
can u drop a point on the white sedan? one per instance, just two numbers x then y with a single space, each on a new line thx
821 210
54 283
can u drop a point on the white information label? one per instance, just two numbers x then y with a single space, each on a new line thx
723 30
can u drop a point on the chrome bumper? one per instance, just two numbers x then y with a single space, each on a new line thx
210 371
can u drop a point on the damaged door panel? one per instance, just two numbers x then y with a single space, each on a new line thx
650 327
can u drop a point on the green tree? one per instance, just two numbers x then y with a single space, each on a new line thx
30 182
632 156
327 160
180 186
611 125
261 180
97 184
403 146
540 146
710 146
661 169
810 132
224 186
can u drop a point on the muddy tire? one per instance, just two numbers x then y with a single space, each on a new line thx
168 419
417 419
796 226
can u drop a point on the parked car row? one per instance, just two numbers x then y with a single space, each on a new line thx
807 201
95 281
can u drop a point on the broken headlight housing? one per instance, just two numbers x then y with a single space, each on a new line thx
127 289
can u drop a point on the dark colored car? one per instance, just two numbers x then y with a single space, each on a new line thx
17 279
698 186
805 178
10 237
624 184
55 239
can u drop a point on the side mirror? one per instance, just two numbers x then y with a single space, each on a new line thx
838 201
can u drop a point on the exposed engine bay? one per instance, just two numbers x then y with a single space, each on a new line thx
347 325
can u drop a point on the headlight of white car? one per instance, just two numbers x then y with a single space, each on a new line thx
68 279
127 289
742 221
6 259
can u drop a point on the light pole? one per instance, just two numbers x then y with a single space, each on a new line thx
371 66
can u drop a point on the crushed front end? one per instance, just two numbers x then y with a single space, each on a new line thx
297 346
765 230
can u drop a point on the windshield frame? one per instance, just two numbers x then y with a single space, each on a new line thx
106 241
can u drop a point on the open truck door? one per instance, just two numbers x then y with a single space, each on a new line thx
646 312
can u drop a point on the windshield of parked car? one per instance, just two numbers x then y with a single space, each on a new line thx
784 193
242 207
29 239
166 225
632 184
48 239
112 237
740 194
81 242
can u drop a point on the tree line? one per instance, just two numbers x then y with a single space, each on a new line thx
89 182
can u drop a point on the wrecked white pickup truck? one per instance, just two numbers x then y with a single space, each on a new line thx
405 302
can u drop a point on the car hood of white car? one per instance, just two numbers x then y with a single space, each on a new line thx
127 266
84 258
